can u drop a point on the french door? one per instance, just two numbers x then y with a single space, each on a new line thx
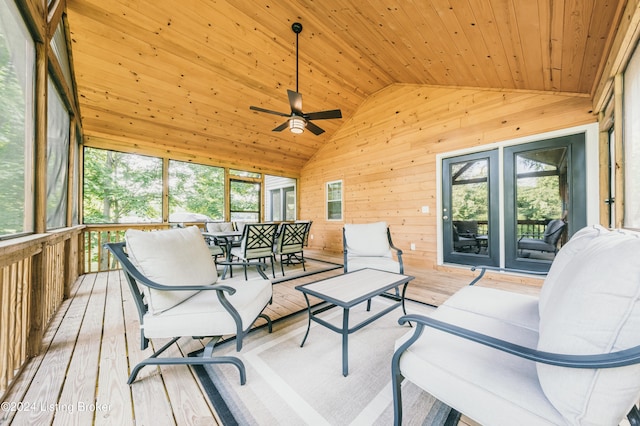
541 181
470 220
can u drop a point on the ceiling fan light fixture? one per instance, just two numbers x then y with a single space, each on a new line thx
297 125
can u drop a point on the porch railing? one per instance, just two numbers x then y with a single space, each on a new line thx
36 274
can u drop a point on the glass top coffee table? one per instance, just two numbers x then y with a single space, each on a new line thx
349 290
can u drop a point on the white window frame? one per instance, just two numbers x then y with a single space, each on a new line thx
328 201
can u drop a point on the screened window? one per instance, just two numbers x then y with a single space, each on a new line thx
334 200
17 59
244 200
57 159
121 188
632 142
196 191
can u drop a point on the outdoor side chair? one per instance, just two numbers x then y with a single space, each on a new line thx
172 278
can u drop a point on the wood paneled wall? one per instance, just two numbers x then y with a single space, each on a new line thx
386 155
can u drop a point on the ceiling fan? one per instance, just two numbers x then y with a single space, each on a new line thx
298 120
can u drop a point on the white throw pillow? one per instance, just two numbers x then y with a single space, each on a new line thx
176 257
369 239
578 241
595 309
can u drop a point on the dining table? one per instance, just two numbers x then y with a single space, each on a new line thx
225 239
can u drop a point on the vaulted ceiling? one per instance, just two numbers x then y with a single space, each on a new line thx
177 78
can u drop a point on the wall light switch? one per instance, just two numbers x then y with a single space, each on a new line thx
425 209
413 246
311 236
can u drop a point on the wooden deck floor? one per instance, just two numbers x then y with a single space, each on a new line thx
80 376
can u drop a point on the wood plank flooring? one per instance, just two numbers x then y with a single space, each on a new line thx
93 341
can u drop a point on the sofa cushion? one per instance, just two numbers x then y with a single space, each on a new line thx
463 374
204 315
593 308
367 239
176 257
577 242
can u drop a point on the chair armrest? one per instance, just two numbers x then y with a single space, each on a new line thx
485 268
611 360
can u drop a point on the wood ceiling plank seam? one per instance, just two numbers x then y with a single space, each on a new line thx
528 23
462 22
420 66
483 11
407 54
577 17
316 25
544 14
186 53
556 38
505 19
438 68
488 42
603 14
455 75
357 23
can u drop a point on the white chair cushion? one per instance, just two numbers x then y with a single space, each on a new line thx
219 227
463 374
594 309
174 257
368 239
204 315
382 263
577 242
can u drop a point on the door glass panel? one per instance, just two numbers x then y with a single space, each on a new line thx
542 194
470 205
469 195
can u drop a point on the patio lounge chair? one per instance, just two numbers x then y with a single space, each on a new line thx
568 357
172 278
549 241
369 245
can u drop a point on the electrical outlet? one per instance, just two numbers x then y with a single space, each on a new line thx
425 209
311 236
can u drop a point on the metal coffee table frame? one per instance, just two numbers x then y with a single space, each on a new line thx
347 291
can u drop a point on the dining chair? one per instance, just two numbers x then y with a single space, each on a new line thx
256 243
290 244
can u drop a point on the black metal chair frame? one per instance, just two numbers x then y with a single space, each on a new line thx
257 236
550 239
136 278
291 235
611 360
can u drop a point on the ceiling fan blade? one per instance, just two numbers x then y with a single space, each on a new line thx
268 111
314 129
324 115
295 100
281 127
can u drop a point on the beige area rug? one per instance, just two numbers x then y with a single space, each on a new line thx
292 385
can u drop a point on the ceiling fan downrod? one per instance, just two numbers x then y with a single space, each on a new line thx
297 28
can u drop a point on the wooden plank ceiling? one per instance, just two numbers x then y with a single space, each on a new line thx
177 78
